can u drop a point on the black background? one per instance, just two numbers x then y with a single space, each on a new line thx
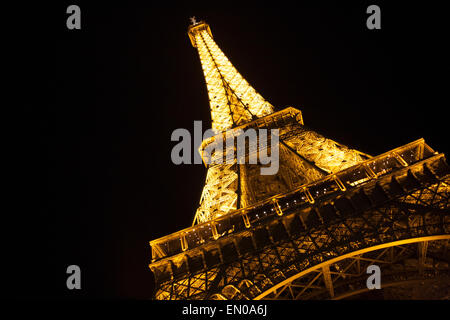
93 179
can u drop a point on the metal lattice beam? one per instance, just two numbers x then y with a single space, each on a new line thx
311 230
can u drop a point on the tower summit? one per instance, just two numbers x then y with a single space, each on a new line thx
233 102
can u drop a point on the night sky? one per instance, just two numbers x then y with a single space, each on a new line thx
95 181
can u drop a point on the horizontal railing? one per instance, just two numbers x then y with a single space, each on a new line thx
280 204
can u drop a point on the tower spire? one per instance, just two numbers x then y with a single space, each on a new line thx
233 102
193 20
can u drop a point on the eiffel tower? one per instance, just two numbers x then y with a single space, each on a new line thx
311 230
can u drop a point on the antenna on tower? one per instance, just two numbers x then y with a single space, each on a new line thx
193 20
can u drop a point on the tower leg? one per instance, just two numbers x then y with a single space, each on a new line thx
327 280
422 248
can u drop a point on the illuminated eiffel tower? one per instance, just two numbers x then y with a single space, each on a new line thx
311 230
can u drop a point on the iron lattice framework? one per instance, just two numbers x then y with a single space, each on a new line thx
305 155
309 231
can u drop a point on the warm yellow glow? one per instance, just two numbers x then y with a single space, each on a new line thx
277 207
352 254
400 159
380 163
339 183
234 104
313 170
246 220
232 100
308 195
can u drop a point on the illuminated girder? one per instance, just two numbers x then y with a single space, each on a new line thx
294 246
